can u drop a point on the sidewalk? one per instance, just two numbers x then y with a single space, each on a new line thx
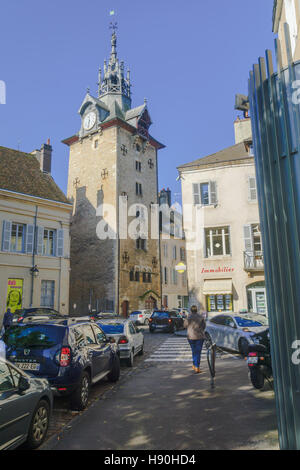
167 407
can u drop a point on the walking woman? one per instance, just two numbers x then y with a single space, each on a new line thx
195 324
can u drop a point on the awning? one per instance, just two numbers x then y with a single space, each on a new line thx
217 286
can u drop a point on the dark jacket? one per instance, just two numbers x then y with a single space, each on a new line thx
195 324
7 319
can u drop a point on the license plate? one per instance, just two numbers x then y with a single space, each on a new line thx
27 366
252 360
160 326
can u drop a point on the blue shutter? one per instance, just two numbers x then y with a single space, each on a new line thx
6 235
60 243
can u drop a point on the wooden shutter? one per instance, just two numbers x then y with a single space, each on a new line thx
40 240
60 243
248 239
196 193
6 235
213 192
252 188
29 245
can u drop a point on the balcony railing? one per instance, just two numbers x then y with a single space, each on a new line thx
253 261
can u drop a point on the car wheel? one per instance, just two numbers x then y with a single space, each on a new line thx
142 350
129 361
114 374
80 396
243 347
39 425
146 322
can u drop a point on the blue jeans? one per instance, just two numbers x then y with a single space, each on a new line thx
196 346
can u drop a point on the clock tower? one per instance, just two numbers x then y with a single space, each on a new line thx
113 176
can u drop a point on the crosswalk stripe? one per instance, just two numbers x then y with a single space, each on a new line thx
174 350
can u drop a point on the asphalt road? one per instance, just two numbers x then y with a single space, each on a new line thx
161 404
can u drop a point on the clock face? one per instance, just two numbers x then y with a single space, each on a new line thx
89 121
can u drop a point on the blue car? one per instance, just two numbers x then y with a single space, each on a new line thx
71 354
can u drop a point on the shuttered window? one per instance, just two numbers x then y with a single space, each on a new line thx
252 193
205 193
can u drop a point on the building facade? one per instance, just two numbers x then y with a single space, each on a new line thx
221 221
115 263
287 11
173 257
34 236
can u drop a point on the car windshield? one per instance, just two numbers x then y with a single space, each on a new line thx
160 315
251 321
30 336
112 328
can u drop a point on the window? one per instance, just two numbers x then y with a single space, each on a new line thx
165 247
138 189
252 238
252 193
17 238
166 276
47 293
174 251
217 241
100 336
89 334
174 277
6 380
137 276
182 254
205 193
291 19
131 275
219 303
138 166
49 242
141 244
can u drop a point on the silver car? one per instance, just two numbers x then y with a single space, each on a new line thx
25 408
141 317
234 331
129 338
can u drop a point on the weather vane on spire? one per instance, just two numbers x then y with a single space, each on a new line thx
113 25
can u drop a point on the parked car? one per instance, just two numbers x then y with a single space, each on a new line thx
140 317
165 321
27 313
234 331
71 354
128 337
26 406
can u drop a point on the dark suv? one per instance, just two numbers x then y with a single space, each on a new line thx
161 320
71 354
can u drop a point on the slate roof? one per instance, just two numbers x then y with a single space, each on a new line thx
230 154
20 172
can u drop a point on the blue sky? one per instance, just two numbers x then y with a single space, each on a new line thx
188 58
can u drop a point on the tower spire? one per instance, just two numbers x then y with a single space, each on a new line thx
114 85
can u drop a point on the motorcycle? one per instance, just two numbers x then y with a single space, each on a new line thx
259 360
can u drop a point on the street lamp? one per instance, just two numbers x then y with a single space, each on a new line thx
34 271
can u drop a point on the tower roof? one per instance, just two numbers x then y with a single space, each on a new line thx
112 81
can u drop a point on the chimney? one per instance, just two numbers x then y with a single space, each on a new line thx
44 157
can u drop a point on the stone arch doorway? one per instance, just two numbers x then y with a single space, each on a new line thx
150 303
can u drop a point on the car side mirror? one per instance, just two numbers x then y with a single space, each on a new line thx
23 384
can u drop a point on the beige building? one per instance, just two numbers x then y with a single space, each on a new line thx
221 222
34 236
173 257
287 11
113 184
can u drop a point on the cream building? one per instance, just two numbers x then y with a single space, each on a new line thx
287 11
34 236
221 222
173 258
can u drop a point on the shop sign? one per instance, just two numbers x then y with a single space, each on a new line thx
217 270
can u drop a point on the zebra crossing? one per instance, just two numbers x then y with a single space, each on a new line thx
174 349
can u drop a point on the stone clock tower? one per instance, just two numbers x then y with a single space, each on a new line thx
112 172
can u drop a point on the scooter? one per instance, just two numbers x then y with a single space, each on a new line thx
259 363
